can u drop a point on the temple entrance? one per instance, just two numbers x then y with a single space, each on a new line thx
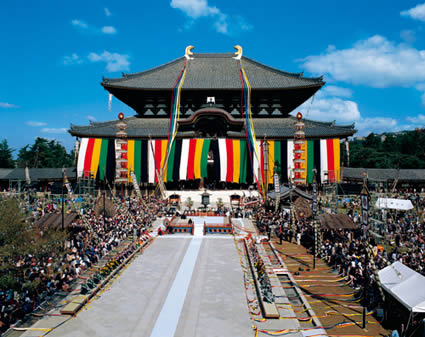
210 182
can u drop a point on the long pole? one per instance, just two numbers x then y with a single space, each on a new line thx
314 209
104 196
365 220
63 201
314 247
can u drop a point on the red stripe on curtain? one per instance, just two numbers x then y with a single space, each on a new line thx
158 156
89 155
229 150
191 159
331 160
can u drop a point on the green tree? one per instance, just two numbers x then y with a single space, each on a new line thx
18 238
6 159
401 150
44 153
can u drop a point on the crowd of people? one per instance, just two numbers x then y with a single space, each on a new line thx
90 238
400 238
396 236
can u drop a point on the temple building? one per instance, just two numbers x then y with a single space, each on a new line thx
206 117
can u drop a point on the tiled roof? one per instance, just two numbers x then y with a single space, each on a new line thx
264 127
39 174
376 174
213 71
4 172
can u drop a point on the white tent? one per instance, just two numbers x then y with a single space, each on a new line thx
405 284
399 204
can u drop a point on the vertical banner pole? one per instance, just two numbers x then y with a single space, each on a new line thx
364 197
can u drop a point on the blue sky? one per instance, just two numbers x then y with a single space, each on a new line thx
54 54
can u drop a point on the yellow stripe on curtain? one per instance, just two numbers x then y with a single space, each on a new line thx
197 163
164 143
236 160
271 162
130 156
337 159
95 157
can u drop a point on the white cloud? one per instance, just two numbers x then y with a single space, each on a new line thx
79 23
419 119
408 35
417 12
376 62
195 8
72 59
93 29
333 108
6 105
54 130
221 25
421 87
91 118
333 90
377 125
114 61
107 12
242 24
345 112
35 124
108 30
224 24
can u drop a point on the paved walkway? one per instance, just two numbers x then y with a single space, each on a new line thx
151 294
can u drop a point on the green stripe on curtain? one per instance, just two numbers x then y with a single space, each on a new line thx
310 161
138 159
278 156
244 162
102 158
170 164
204 157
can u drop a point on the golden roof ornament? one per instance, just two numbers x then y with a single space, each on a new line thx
188 52
238 52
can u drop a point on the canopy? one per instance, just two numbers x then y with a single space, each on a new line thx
404 284
337 221
390 203
54 220
288 191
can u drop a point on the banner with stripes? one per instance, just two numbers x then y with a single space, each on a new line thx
137 156
188 160
96 158
323 155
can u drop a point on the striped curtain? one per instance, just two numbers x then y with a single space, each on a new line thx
96 158
330 160
233 159
156 156
323 154
137 156
188 159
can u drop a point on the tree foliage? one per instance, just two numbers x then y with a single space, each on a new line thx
404 150
44 153
19 238
6 158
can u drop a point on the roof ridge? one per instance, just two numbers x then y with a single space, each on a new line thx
106 123
143 72
287 73
216 55
333 124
